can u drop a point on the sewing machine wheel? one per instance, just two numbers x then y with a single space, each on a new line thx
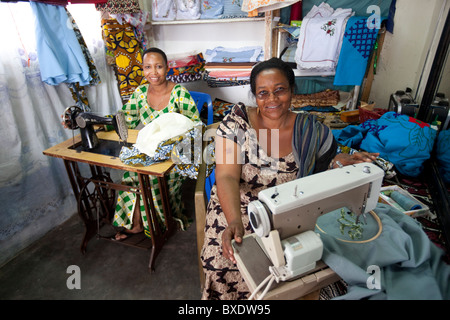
96 200
259 218
68 117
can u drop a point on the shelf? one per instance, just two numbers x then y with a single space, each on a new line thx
200 21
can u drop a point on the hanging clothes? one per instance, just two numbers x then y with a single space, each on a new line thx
77 90
126 51
60 55
357 47
320 38
138 21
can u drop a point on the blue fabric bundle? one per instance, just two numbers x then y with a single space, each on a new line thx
60 55
443 154
400 139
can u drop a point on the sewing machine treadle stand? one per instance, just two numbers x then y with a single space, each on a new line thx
96 195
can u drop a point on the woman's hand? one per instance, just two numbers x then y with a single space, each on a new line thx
234 231
346 159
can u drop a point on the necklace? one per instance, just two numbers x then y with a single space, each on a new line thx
158 105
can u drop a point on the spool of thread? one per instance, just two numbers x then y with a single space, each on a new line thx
296 11
405 202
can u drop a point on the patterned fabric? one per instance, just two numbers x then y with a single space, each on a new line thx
313 144
361 37
121 43
77 90
138 21
220 109
186 69
119 6
412 146
213 82
223 279
138 111
357 46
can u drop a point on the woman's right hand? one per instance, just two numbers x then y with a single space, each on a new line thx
234 231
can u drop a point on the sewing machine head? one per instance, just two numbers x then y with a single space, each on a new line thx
284 217
293 207
75 118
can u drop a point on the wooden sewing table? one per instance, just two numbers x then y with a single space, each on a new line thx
95 195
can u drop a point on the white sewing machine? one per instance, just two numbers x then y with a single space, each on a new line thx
285 245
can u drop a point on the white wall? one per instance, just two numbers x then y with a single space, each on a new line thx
405 51
181 38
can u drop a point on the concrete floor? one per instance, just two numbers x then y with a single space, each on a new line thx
108 270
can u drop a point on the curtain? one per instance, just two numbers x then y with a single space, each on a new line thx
35 192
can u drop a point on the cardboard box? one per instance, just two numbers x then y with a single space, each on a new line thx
424 211
350 116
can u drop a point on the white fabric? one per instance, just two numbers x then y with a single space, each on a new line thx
188 9
319 43
164 10
166 126
35 192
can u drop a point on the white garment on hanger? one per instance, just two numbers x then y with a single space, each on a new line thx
320 38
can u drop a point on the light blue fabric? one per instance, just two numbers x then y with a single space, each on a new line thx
232 9
212 9
400 139
227 55
356 49
410 265
60 56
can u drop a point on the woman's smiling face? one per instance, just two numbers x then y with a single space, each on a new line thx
155 68
273 93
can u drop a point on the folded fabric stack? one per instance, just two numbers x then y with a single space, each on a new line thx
230 66
320 99
288 53
186 68
226 75
167 10
320 38
254 7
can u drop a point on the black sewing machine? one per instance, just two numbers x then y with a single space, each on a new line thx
74 118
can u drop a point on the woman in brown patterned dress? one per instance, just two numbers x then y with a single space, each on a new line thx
257 148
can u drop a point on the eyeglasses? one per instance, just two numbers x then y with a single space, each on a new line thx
279 92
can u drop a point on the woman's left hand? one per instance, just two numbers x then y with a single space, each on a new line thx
346 159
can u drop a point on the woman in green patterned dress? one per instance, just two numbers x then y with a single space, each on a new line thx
149 101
